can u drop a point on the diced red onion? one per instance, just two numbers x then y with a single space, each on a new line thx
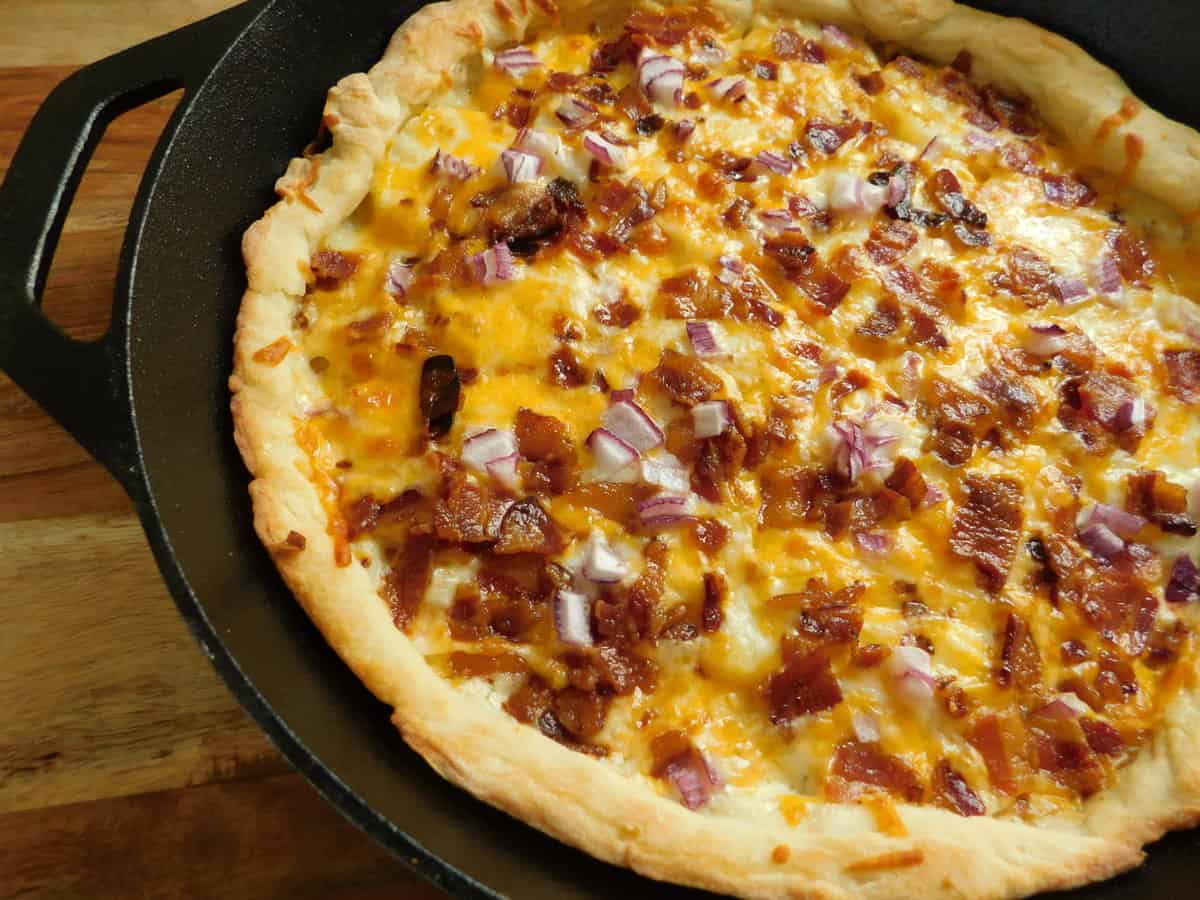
605 151
935 495
836 36
1130 415
1184 584
866 727
1101 540
576 113
1070 290
1063 707
661 78
487 446
399 278
516 61
1046 340
520 167
731 271
626 395
829 372
666 472
601 564
504 471
856 195
693 777
934 150
858 450
664 510
776 220
1122 523
897 191
1108 274
774 162
710 418
684 129
538 142
572 618
911 670
613 454
706 340
873 542
633 425
732 88
454 166
494 264
979 140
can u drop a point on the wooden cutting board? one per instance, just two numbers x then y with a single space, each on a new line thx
126 768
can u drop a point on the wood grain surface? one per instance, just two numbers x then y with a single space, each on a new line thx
126 768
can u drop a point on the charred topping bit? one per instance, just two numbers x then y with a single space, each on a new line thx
440 389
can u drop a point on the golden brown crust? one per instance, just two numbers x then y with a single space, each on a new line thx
584 802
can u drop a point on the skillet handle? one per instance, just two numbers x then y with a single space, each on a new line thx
85 385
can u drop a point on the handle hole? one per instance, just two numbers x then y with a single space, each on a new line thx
79 289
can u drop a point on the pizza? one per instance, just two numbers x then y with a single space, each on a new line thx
764 428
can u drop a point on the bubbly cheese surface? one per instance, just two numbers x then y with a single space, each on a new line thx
948 657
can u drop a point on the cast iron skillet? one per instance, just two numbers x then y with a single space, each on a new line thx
149 399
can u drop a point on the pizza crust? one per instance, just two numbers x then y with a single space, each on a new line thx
571 796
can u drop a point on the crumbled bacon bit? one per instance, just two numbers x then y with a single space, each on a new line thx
407 578
545 440
1069 760
527 528
371 328
566 371
805 685
618 314
906 479
1151 495
1020 661
710 534
716 588
685 379
828 137
866 764
1183 374
888 243
1067 190
1028 276
1132 254
872 83
1093 406
947 190
332 267
987 527
997 742
1102 737
951 791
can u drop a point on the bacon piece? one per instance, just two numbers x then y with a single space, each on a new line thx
883 321
545 440
566 371
685 379
998 742
951 791
955 415
407 578
1070 191
527 528
693 295
710 534
888 243
1102 737
947 191
1013 398
332 267
1099 407
368 329
526 215
987 527
610 668
618 314
1132 255
677 760
1151 495
716 589
1068 758
866 764
1020 661
1014 113
906 479
788 494
872 83
792 251
1165 645
825 617
629 614
1183 374
439 394
806 684
1028 276
466 513
827 137
673 27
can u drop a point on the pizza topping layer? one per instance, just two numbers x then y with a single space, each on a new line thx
774 418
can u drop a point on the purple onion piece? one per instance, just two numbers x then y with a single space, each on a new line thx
1070 290
516 61
1184 583
494 264
399 279
572 618
605 151
1122 523
1101 540
711 418
633 425
704 338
